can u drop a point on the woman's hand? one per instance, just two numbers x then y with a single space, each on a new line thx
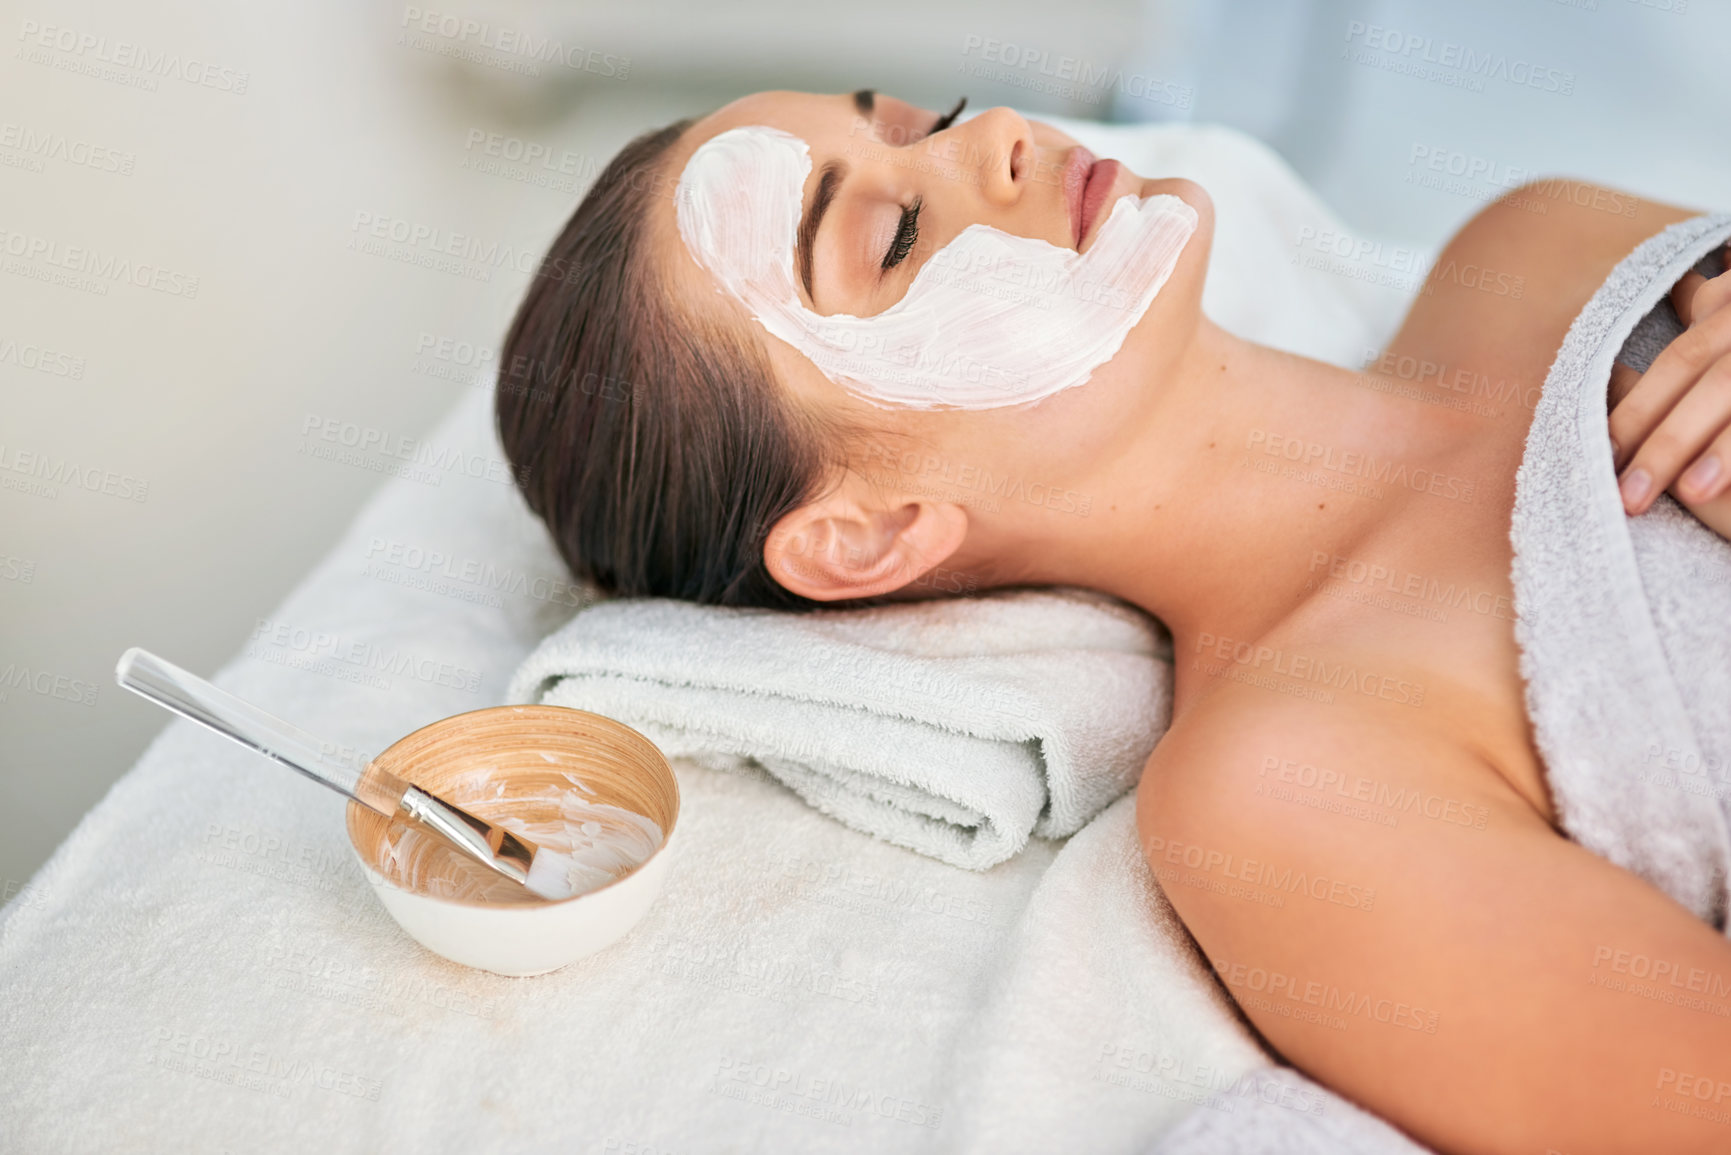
1671 426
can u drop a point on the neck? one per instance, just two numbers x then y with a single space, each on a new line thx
1254 464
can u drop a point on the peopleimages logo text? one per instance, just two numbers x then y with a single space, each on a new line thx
1477 64
126 54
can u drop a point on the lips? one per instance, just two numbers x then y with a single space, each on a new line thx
1078 164
1096 192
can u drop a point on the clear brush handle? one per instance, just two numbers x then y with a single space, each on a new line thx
191 696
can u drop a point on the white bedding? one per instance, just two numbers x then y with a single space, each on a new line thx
202 968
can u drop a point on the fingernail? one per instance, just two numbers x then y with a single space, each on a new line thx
1634 487
1702 474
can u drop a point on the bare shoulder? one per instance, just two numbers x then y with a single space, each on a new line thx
1267 781
1402 926
1514 277
1261 760
1557 216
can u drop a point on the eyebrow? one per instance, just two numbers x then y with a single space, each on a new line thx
829 179
827 182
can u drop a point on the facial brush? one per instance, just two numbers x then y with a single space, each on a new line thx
541 871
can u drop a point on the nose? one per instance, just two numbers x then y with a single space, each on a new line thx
997 145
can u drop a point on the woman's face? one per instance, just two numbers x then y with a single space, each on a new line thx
996 169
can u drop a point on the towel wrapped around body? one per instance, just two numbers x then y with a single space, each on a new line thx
1624 623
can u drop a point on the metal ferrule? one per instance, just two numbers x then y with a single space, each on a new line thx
486 843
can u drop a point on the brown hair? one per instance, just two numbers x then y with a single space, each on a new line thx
655 444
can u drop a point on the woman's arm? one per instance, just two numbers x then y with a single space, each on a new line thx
1401 926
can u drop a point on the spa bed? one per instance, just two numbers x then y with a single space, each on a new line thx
201 966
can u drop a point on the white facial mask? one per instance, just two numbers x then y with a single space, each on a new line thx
991 319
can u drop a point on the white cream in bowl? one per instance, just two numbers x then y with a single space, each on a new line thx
597 798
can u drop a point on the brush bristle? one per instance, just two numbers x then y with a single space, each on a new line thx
549 875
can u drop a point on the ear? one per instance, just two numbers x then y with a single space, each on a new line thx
856 542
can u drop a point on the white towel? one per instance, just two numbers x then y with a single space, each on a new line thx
1625 623
957 728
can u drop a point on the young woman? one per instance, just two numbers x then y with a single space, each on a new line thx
675 448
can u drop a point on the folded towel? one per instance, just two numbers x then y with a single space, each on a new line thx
956 728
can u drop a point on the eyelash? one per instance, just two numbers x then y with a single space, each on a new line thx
949 117
908 231
907 234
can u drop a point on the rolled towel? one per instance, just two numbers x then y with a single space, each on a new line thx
957 727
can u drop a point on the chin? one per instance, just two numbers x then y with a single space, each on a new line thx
1195 255
1187 191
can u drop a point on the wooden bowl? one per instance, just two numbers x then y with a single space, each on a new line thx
517 752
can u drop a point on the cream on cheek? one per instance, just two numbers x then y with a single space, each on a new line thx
991 319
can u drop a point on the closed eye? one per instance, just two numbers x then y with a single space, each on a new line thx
908 229
907 235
